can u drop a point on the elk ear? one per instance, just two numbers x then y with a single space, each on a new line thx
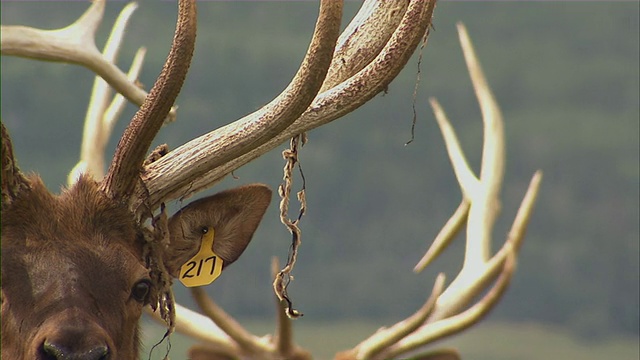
233 215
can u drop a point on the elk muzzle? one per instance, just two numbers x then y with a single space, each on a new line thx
72 335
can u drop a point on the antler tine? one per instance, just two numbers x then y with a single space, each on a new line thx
283 333
130 152
369 79
503 264
386 337
101 116
73 44
401 339
469 184
445 236
454 324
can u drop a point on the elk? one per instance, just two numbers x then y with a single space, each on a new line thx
79 268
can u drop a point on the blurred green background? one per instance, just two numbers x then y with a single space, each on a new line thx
566 75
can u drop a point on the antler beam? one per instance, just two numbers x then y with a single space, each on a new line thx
365 74
181 167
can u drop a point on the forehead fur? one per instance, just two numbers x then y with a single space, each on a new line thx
69 261
81 212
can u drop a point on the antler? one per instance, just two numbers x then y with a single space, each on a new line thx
359 70
370 53
103 112
73 44
76 44
135 142
444 312
180 167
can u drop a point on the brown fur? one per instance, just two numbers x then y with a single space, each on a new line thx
226 213
70 263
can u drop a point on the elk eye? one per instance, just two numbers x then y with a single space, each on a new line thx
140 290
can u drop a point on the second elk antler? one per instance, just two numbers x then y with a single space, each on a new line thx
447 311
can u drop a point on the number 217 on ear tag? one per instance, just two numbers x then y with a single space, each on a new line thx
204 267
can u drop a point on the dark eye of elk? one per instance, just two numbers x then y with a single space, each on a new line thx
140 291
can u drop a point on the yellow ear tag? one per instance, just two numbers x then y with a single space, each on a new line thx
204 267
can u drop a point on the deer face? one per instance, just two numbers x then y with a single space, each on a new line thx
74 282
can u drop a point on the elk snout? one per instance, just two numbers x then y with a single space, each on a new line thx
52 350
73 339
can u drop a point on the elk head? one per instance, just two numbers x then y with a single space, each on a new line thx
74 274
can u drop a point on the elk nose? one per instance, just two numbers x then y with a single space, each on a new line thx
57 351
